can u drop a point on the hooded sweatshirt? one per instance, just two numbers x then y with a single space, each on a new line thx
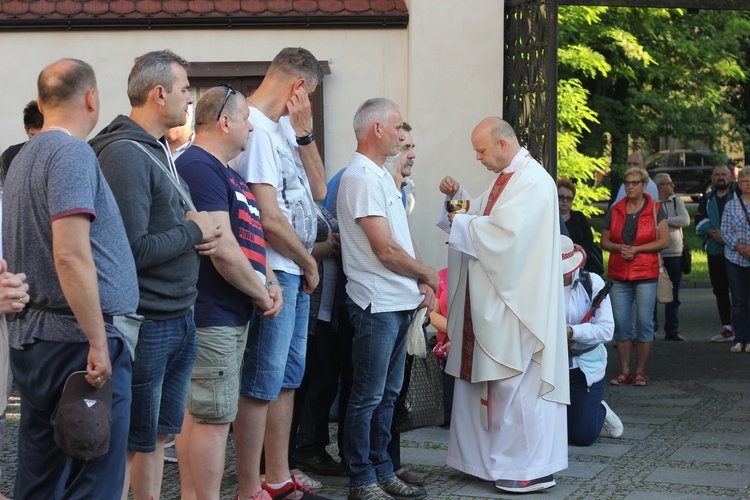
154 215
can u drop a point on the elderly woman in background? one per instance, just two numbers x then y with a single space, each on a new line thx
677 218
735 229
579 228
634 231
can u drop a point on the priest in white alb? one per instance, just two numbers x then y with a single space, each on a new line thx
506 320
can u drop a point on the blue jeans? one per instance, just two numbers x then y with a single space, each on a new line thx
44 471
585 412
275 353
378 356
623 295
673 265
163 363
739 286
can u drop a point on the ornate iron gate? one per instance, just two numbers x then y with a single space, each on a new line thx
530 77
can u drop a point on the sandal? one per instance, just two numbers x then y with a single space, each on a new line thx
641 380
736 348
622 379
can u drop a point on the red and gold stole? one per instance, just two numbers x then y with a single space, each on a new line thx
467 345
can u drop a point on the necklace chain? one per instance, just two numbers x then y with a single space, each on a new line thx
54 127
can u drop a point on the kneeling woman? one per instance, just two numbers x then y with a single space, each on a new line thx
587 413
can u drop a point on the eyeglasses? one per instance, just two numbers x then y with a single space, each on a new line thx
565 199
230 91
671 184
633 183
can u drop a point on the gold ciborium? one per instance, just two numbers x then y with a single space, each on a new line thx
457 206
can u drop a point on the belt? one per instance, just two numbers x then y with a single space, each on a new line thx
63 312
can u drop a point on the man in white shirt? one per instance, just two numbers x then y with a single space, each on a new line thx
286 175
387 281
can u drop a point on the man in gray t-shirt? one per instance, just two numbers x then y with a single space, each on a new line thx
62 228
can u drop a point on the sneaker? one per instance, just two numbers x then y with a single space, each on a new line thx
612 423
369 492
738 347
525 486
399 489
726 335
261 495
170 455
292 490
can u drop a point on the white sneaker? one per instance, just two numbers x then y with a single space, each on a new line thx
612 423
726 335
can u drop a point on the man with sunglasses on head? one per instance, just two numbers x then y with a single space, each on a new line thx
232 282
167 236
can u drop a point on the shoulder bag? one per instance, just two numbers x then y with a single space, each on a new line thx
686 259
664 294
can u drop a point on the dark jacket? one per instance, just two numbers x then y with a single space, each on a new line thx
709 216
154 216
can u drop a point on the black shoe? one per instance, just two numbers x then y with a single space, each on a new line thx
323 465
675 336
411 478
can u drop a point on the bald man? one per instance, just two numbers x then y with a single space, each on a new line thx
82 280
506 321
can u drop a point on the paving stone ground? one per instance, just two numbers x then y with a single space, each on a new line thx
687 434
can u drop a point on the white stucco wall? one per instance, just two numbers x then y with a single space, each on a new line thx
364 63
455 80
445 71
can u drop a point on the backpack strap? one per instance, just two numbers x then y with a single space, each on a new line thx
175 182
584 277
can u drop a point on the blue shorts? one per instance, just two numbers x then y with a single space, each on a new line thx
163 363
275 352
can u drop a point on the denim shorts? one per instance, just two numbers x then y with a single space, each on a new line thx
215 383
633 309
275 352
164 358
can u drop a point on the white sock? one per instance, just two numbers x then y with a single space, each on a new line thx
279 485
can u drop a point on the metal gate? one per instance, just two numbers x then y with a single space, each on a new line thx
530 77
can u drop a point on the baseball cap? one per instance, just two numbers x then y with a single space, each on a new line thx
84 417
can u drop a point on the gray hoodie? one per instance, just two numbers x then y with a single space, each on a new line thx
154 216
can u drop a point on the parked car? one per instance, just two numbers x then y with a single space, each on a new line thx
690 170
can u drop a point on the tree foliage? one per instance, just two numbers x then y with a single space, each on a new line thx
657 73
574 115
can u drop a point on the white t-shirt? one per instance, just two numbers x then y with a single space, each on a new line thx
367 189
272 158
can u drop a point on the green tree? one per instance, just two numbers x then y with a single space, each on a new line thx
657 73
573 114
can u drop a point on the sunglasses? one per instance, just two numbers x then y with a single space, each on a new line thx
565 199
230 91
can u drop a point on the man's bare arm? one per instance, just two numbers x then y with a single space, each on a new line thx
234 267
279 233
76 271
300 116
392 255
